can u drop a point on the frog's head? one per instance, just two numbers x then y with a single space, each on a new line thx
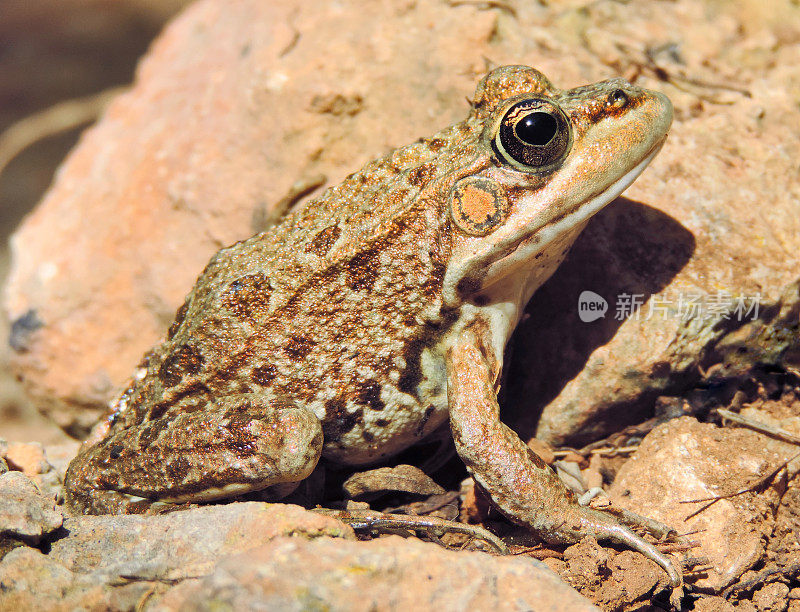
549 159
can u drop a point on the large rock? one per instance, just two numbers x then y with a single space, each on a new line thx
25 514
114 562
385 574
236 103
715 217
271 556
184 543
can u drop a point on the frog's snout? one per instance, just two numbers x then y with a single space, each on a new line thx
663 107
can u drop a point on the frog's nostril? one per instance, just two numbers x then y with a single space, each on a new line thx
617 98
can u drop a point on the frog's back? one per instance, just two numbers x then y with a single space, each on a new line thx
333 309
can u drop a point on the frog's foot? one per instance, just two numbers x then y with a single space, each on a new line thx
238 444
655 528
568 522
517 480
433 526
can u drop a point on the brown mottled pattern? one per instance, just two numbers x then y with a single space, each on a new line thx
421 174
436 144
247 295
185 359
264 375
322 309
513 81
353 321
179 316
323 241
369 395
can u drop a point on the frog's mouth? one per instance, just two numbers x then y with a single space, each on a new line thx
562 227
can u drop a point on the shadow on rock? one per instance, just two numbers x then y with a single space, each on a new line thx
628 249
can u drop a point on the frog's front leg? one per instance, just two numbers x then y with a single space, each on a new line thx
517 480
233 445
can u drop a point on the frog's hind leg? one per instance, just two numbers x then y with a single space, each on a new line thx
237 444
517 480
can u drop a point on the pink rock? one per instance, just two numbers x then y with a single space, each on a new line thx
25 514
684 460
385 574
187 542
266 556
26 457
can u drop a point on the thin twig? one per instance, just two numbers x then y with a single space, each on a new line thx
759 426
760 484
60 117
537 552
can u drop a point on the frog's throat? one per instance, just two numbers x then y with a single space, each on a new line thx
498 274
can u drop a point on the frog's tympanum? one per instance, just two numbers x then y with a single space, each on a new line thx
365 319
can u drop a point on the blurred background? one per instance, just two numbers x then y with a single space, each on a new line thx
58 59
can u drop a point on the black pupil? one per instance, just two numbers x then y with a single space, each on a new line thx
536 129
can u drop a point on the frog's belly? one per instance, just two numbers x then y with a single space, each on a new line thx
359 435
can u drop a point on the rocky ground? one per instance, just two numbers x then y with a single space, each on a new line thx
240 106
739 552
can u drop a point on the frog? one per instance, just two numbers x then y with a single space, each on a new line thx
380 310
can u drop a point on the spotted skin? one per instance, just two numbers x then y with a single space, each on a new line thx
351 330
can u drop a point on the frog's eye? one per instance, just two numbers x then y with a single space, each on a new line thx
534 136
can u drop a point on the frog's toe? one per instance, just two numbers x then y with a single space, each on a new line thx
603 526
